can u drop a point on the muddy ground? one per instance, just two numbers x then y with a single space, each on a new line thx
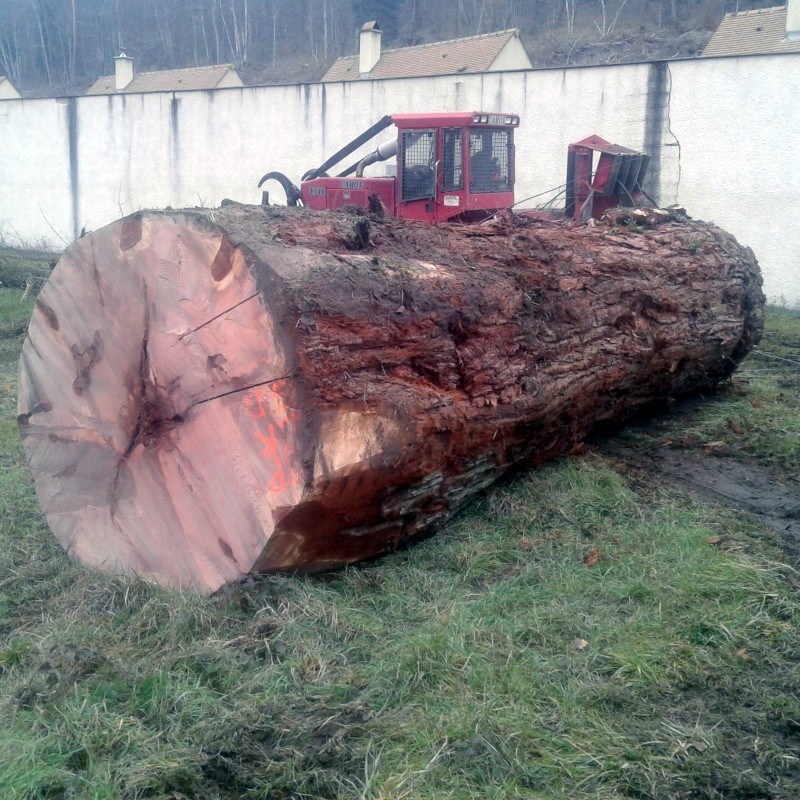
661 448
726 479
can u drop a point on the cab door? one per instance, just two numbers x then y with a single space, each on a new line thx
452 194
417 184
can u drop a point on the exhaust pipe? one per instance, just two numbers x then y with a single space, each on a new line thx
384 151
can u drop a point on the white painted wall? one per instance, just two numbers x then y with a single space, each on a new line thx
736 164
738 124
35 207
793 20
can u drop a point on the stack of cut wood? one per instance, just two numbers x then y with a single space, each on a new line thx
208 393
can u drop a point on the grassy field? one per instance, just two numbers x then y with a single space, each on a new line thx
574 634
756 416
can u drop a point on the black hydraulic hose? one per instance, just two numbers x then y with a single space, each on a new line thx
350 170
385 122
382 153
293 195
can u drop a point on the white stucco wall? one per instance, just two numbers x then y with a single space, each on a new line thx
35 206
736 163
738 124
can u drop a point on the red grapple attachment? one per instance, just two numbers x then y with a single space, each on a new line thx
616 181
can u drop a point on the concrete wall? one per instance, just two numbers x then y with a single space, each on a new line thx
723 135
737 124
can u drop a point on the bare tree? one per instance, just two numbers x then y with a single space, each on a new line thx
66 43
569 10
606 26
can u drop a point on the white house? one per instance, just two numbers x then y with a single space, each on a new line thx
489 52
126 80
7 89
765 30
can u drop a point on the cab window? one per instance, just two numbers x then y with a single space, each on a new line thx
417 165
490 159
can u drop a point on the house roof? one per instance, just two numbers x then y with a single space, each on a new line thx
469 54
752 32
169 80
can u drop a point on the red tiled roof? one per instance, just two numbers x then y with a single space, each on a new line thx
469 54
752 32
170 80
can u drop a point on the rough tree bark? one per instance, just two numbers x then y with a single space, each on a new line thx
208 393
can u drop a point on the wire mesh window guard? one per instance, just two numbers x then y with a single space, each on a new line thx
418 162
452 158
489 160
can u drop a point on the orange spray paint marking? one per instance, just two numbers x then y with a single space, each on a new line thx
278 482
276 386
257 408
270 445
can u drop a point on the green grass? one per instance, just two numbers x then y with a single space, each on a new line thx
756 415
486 662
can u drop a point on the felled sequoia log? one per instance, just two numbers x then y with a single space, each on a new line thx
209 393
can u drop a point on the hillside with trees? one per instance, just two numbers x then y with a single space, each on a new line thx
61 46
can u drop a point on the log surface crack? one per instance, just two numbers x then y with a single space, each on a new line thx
217 316
238 389
142 402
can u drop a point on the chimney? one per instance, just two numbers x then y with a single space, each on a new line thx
793 21
123 71
369 50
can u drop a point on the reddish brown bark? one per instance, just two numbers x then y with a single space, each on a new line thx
207 393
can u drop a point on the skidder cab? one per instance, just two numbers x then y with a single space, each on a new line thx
448 166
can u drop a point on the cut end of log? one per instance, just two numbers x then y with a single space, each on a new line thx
208 393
